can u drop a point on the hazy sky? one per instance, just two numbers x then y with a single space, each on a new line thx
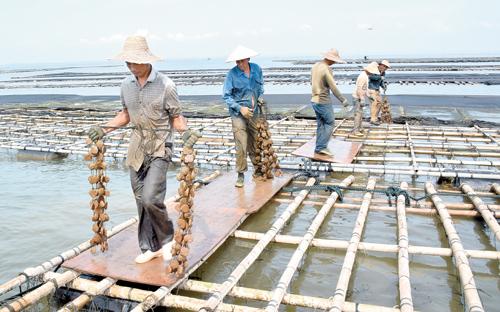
89 30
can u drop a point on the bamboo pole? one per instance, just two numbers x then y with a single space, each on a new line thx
430 152
495 188
82 300
405 298
384 201
345 274
52 263
472 299
417 211
488 216
491 138
342 245
412 152
135 294
140 295
40 292
286 277
243 266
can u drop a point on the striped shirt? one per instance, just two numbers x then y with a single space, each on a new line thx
150 109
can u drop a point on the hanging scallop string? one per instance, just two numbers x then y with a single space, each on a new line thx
98 192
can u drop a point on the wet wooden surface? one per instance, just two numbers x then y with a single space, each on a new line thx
343 151
219 208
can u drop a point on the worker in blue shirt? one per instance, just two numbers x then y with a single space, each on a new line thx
243 89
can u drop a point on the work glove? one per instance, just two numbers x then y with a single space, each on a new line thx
96 133
346 107
246 112
261 101
384 85
189 137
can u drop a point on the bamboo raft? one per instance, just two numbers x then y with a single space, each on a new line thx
451 152
410 155
216 295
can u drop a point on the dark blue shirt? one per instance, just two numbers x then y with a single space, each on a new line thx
239 89
375 81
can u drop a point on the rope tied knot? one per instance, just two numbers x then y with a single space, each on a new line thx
337 189
394 191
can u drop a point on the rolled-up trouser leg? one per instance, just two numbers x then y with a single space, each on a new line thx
358 116
149 185
240 142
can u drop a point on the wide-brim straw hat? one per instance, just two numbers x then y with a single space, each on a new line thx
136 50
333 55
241 53
372 68
385 63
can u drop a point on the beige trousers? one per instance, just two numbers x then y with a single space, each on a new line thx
375 105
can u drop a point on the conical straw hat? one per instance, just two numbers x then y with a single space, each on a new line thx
386 63
333 55
372 68
136 50
241 53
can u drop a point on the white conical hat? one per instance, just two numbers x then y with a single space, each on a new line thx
372 68
385 63
241 53
333 55
136 50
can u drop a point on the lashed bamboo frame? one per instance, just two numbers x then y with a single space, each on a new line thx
318 303
472 300
286 277
57 134
257 250
340 292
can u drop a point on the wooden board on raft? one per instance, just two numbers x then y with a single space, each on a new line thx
343 151
219 208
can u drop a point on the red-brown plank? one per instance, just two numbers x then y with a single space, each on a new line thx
219 208
343 151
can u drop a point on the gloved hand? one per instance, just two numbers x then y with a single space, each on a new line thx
371 99
384 85
246 112
345 103
189 137
346 108
261 101
96 133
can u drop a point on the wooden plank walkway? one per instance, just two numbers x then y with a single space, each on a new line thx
343 151
219 208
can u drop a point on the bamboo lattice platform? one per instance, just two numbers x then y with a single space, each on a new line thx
365 199
444 151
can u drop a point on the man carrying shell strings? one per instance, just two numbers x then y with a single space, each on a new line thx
322 82
242 92
359 95
375 83
150 102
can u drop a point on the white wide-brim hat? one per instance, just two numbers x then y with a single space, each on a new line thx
385 63
333 55
241 53
372 68
136 50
